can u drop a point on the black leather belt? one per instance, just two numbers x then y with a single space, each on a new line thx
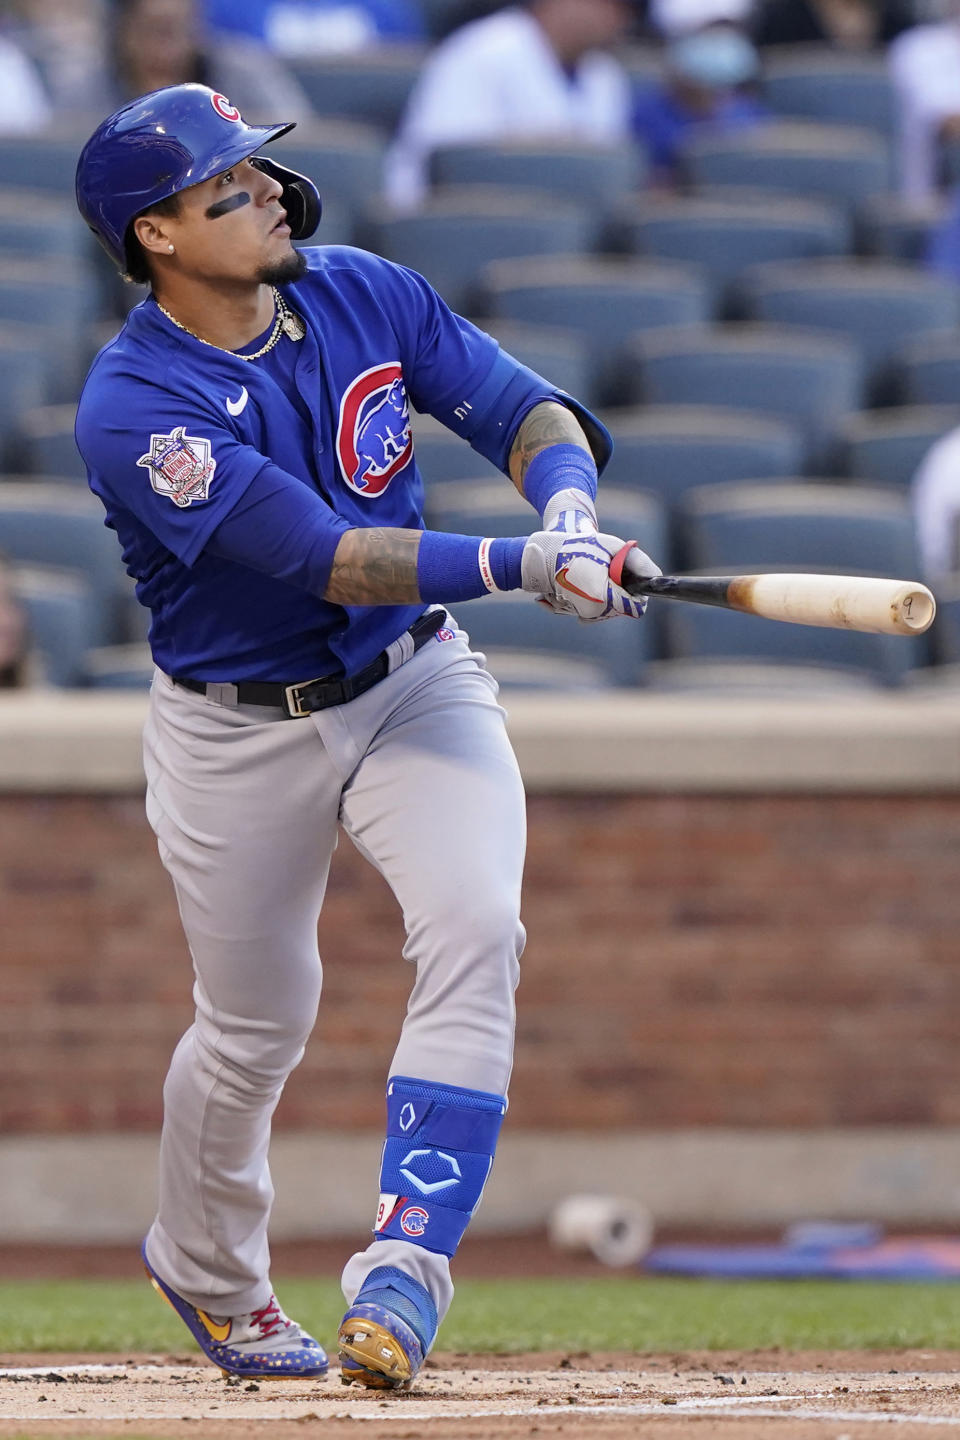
320 694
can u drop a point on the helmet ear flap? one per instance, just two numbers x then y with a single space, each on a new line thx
300 199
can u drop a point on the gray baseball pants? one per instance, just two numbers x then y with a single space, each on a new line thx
246 807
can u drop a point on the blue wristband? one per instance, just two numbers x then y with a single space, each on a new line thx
448 566
559 467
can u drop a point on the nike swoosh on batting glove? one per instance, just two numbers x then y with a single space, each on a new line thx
572 573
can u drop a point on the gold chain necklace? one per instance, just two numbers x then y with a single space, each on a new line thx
288 322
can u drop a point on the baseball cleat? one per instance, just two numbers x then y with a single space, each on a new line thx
388 1330
261 1345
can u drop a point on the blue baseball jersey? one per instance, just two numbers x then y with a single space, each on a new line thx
174 433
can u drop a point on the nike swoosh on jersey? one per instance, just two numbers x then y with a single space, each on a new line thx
235 406
219 1332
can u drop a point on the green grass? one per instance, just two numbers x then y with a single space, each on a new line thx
623 1312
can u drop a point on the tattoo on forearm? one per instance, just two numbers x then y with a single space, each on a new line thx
547 424
375 567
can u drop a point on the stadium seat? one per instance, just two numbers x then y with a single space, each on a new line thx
58 304
459 231
24 382
498 509
515 621
62 619
724 236
32 225
47 443
886 446
893 228
876 304
765 679
443 456
829 84
806 380
668 449
39 162
795 157
818 527
606 300
929 370
118 667
370 85
63 526
344 158
598 175
697 632
945 634
560 356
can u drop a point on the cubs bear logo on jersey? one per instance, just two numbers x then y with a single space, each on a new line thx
374 441
180 466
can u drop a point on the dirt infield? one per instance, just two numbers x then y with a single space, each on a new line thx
836 1396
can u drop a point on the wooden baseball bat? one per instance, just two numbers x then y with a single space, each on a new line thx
840 602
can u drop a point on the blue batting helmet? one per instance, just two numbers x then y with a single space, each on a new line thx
163 142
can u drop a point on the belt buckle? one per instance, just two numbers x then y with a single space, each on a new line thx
293 700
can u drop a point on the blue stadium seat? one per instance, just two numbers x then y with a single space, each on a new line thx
878 305
795 157
605 300
515 621
47 444
62 619
24 382
560 356
844 530
344 158
498 509
520 670
58 302
459 231
929 369
600 175
370 85
33 224
40 162
945 634
892 228
886 446
803 379
830 84
669 449
723 236
443 456
63 526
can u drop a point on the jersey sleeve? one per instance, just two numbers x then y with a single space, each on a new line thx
164 458
460 375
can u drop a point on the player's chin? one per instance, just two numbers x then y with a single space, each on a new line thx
284 269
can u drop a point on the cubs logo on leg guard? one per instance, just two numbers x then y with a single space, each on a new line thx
438 1153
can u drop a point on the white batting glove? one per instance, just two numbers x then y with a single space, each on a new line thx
572 573
570 511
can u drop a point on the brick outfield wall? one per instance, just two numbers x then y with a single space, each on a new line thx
692 960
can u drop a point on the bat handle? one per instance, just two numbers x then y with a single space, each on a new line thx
635 582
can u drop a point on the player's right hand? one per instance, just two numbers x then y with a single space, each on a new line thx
572 573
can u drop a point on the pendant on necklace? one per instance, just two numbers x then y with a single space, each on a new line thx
293 325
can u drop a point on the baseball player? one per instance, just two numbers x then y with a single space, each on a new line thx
248 433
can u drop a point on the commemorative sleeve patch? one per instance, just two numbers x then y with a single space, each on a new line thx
180 466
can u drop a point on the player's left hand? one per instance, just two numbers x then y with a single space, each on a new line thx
577 574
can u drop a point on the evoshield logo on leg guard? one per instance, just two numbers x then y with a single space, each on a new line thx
432 1187
374 441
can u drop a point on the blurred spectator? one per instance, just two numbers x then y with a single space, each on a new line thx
66 41
925 69
528 72
297 28
163 42
671 18
24 105
936 508
848 24
16 667
707 72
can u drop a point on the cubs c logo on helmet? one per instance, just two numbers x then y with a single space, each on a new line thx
374 442
224 109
